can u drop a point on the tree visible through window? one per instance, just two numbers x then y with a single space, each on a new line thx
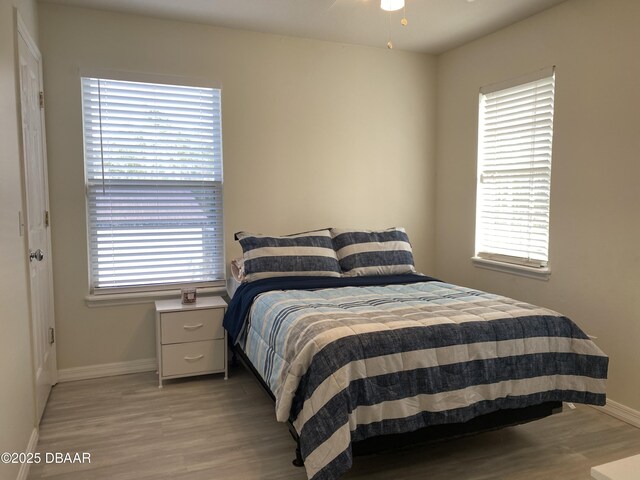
153 169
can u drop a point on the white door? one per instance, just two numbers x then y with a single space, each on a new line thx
37 219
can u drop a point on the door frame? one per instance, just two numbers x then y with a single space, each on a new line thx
22 31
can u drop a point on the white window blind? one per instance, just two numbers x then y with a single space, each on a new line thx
153 165
514 170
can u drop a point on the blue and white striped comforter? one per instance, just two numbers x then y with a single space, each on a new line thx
349 363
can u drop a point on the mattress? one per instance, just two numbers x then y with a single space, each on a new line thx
347 362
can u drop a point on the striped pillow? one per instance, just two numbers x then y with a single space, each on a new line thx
387 252
304 254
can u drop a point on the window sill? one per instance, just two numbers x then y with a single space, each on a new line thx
117 299
521 270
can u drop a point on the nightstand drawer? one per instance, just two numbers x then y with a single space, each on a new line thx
194 357
192 326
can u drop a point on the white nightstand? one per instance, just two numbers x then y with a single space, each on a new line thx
190 339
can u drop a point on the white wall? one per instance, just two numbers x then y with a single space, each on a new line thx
595 192
17 414
315 134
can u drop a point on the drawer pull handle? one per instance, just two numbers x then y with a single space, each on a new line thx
193 359
193 327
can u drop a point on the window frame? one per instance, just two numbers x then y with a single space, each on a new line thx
134 294
537 269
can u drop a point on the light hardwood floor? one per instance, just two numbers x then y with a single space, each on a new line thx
204 428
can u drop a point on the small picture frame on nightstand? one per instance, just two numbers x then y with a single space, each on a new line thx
188 295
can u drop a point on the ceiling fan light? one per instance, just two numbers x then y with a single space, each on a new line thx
391 5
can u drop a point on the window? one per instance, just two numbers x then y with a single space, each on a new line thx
153 170
514 171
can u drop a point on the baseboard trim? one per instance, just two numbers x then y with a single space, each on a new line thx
621 412
23 473
107 370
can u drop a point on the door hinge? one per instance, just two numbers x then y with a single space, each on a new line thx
52 335
46 218
41 98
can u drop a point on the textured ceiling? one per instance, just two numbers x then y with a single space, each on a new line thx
434 25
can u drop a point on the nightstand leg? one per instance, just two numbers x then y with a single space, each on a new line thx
226 357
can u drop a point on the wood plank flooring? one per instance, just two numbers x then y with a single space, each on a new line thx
204 428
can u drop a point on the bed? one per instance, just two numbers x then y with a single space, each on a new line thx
355 347
349 360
